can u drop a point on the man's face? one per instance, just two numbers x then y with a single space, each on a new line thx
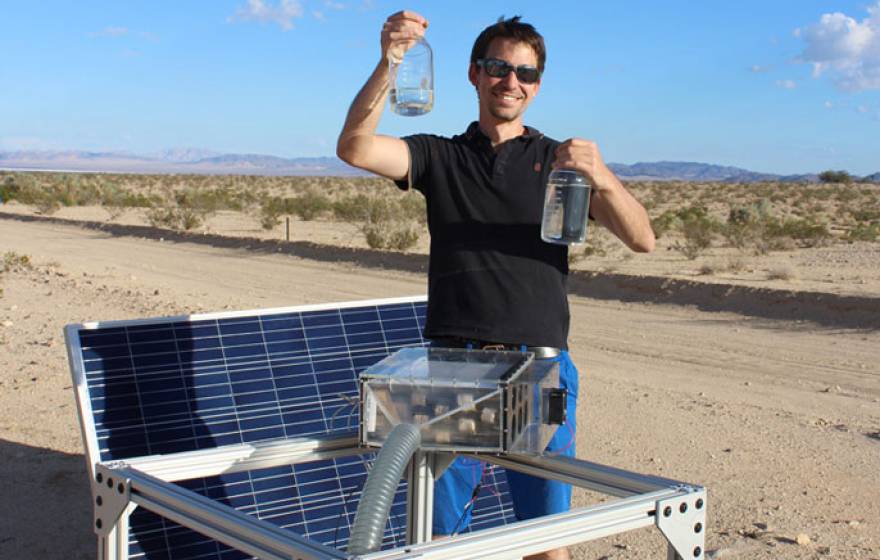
505 98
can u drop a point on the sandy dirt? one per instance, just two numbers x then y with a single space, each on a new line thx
779 419
840 268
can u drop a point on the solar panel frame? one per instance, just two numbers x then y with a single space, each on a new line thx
152 338
74 332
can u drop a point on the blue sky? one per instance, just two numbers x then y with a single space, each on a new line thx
786 86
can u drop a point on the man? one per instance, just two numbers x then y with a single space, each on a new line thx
492 280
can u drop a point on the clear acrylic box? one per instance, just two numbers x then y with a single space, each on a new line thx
463 400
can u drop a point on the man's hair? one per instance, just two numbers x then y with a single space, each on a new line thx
513 29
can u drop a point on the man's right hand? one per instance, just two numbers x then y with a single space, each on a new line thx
400 32
358 143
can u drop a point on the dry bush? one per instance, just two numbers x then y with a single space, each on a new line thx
864 232
386 222
697 230
15 262
736 265
270 211
189 210
309 205
781 273
391 235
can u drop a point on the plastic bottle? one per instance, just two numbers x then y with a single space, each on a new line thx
566 208
412 81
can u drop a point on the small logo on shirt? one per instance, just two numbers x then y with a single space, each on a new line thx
538 167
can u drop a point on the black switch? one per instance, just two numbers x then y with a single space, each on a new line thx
556 406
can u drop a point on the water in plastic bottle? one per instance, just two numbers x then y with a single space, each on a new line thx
412 81
566 207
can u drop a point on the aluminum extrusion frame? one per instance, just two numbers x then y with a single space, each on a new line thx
674 507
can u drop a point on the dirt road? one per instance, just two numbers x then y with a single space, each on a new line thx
780 420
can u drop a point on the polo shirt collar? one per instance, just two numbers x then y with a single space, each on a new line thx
474 134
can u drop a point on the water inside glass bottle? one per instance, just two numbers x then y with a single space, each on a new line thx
412 81
566 208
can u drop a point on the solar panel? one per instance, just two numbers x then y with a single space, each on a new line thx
171 385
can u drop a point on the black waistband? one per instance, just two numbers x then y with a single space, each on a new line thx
540 352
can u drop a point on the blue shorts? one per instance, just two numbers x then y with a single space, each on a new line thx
532 496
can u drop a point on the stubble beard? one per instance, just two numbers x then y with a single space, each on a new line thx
503 114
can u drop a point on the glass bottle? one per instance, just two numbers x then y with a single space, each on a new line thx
412 81
566 207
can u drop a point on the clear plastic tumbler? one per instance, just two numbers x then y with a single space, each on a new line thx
412 81
566 208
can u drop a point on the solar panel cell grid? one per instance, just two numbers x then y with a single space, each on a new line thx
171 385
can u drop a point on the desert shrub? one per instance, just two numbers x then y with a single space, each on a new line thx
198 201
847 194
697 230
9 189
351 208
226 197
413 208
736 265
781 273
831 176
309 205
391 235
163 217
864 232
271 210
189 218
387 222
698 234
14 261
746 225
865 214
47 201
807 232
184 217
114 200
664 223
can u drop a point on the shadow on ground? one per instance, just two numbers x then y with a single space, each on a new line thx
46 504
824 309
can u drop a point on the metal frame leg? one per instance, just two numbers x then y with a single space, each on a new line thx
420 498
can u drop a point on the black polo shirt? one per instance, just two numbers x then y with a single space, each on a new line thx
490 276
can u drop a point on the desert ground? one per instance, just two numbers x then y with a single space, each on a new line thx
765 388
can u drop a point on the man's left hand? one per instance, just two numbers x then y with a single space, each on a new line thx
583 156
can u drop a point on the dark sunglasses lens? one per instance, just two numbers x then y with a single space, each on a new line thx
500 69
527 75
497 68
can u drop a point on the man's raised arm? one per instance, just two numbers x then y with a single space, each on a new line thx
358 143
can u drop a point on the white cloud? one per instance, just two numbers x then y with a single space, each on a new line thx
330 4
863 109
829 105
758 69
319 15
259 10
844 48
786 84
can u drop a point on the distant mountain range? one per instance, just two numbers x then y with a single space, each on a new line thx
190 161
691 171
204 162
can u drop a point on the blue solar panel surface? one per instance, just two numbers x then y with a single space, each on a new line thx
172 386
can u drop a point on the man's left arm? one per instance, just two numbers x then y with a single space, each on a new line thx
611 204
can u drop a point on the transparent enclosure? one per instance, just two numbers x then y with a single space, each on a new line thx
463 400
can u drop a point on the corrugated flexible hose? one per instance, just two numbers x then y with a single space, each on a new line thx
379 490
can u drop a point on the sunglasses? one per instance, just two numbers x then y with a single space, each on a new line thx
500 69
